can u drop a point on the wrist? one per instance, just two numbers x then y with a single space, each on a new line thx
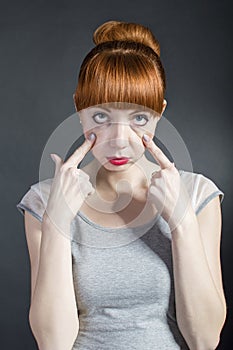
185 220
61 227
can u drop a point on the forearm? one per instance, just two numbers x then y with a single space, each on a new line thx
53 313
199 310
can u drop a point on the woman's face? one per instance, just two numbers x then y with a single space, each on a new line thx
118 132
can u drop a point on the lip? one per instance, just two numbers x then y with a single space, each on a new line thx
117 158
118 161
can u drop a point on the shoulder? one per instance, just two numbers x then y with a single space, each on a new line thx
201 189
42 188
35 199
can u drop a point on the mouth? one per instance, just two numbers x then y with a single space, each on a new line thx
118 161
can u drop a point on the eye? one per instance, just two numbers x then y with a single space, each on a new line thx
100 118
141 119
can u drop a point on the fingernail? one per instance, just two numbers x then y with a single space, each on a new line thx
146 138
91 137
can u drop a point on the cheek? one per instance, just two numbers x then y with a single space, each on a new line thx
139 148
100 147
137 132
137 135
104 135
100 131
148 128
135 142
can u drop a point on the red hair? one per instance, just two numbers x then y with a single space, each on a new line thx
124 66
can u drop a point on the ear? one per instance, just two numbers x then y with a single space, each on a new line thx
164 106
74 102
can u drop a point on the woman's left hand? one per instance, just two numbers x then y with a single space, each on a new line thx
166 190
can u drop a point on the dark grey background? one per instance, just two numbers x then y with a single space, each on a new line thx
42 45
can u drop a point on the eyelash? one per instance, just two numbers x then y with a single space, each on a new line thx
97 115
139 115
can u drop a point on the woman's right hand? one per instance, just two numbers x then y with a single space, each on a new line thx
69 188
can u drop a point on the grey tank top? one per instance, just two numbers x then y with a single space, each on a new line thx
123 277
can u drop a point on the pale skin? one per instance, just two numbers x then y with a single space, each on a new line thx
199 295
53 311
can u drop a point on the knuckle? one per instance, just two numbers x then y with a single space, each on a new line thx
74 171
84 174
156 174
152 190
61 170
64 167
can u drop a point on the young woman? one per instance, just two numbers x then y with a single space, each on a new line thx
125 253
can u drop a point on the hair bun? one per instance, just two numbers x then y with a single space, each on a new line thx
123 31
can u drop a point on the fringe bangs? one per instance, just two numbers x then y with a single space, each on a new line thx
119 78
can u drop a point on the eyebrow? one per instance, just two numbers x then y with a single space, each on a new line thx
106 109
109 111
139 112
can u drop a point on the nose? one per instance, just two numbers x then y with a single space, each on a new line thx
119 135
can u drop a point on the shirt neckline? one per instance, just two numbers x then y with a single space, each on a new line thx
120 229
117 229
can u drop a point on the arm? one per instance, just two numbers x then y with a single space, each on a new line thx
53 313
199 296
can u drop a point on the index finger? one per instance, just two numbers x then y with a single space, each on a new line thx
80 152
157 153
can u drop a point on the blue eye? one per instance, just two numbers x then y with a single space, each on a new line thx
141 119
100 118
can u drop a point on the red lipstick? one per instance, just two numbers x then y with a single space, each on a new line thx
118 161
